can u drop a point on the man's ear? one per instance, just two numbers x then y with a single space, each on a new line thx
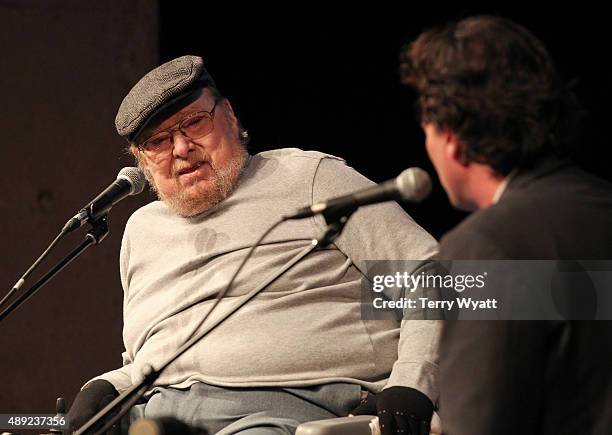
229 110
139 159
231 117
134 151
454 149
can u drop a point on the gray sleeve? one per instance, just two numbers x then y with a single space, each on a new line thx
121 378
386 232
417 363
375 232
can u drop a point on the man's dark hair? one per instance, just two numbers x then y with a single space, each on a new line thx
493 84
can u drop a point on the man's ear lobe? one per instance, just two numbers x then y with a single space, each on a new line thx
454 149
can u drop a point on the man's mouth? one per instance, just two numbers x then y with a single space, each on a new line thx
189 169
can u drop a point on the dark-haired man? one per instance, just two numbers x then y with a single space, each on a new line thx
299 350
498 123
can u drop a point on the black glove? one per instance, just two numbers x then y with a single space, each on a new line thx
89 401
400 410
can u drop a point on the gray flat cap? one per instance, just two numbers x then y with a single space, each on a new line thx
158 89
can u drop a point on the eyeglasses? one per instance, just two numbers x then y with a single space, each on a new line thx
194 126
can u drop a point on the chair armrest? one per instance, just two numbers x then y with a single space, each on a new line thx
358 425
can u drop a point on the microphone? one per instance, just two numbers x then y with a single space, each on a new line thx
130 181
413 185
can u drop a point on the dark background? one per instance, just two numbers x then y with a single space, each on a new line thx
329 81
303 77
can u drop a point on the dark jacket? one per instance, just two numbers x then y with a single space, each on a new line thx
540 377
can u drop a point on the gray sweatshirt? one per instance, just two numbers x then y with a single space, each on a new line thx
306 328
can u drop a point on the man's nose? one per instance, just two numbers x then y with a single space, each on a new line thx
182 145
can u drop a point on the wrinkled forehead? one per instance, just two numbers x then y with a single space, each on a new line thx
197 100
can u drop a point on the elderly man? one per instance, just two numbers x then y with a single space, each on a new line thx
497 122
299 350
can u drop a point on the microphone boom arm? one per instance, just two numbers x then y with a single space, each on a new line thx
97 233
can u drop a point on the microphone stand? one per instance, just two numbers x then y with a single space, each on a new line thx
336 219
97 233
335 224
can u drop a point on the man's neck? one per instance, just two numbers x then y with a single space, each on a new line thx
485 186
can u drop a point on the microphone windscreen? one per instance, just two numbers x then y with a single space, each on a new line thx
414 184
135 177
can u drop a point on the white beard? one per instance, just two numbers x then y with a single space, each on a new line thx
189 203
